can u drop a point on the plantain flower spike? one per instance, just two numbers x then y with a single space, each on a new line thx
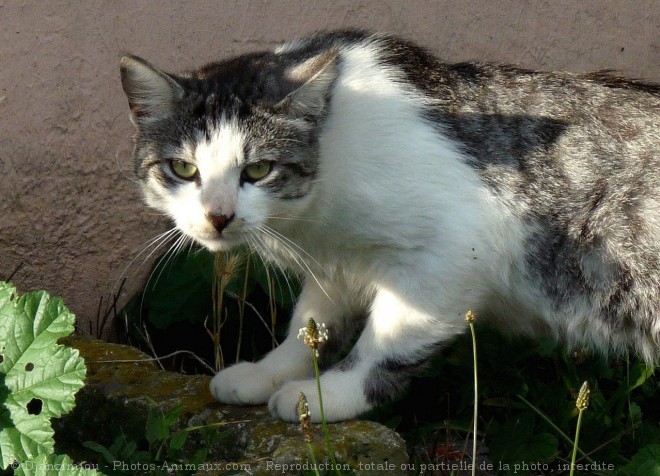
313 335
303 416
582 401
470 317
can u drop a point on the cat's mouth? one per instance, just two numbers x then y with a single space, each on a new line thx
211 237
220 242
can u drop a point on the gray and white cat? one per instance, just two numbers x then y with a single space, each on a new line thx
410 190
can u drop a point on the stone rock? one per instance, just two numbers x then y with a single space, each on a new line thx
121 381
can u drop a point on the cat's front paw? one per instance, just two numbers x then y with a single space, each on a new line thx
244 384
339 403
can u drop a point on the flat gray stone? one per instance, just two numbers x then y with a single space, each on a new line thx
116 396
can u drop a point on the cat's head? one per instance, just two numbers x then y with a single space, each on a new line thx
232 148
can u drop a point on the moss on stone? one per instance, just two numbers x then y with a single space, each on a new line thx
115 400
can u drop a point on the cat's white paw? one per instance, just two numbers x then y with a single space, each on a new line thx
339 403
245 383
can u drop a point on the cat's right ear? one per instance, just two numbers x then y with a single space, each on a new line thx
151 93
313 79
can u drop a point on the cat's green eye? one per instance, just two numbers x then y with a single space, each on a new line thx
183 170
257 171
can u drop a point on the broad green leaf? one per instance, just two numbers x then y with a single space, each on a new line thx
159 423
516 441
179 289
7 291
179 439
102 450
38 377
640 372
646 461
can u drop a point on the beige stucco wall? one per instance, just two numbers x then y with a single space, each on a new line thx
69 210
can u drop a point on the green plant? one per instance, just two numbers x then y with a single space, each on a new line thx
161 452
646 461
470 318
581 403
225 267
187 290
306 426
38 379
313 336
527 391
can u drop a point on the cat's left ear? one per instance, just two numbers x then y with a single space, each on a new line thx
316 76
152 94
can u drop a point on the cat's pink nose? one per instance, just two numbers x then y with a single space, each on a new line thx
219 222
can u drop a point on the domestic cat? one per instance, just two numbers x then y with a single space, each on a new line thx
410 190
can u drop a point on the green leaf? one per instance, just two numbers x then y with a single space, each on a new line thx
7 292
102 450
200 456
515 441
180 289
646 461
53 465
179 439
155 430
649 433
38 377
159 423
640 372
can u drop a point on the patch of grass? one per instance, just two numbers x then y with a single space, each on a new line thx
161 450
527 392
222 307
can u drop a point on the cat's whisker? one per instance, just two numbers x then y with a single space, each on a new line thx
164 240
167 256
288 243
253 245
156 242
292 252
191 245
289 141
296 256
123 172
181 248
156 214
276 217
252 238
292 243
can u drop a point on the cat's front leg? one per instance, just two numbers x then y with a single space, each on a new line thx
396 341
248 383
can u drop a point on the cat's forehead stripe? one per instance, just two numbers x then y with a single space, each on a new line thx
221 150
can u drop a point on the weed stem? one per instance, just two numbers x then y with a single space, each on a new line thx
324 423
581 403
555 427
471 318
